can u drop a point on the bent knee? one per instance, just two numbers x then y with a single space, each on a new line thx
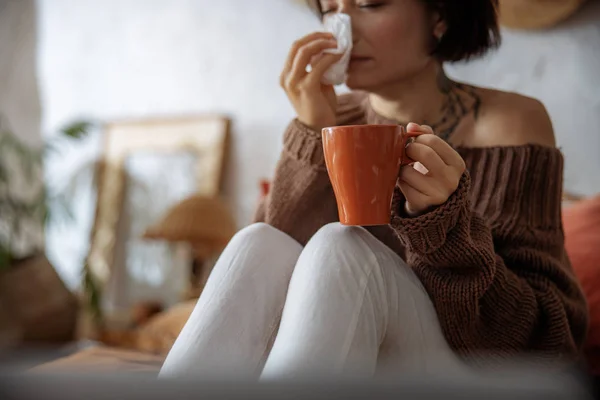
258 229
335 234
257 232
336 244
339 242
259 247
262 234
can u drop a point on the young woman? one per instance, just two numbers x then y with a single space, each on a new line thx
472 266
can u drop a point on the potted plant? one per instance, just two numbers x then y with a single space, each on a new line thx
35 305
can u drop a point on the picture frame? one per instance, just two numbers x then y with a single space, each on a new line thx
204 136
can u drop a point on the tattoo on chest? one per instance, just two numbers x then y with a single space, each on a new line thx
461 100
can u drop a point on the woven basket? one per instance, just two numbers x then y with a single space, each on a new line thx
536 14
201 220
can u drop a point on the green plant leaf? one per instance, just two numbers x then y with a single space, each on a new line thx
27 157
93 295
3 173
77 130
37 209
25 163
5 258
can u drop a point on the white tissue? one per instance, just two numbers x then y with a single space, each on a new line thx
340 26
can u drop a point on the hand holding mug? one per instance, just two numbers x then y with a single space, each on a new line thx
435 173
363 163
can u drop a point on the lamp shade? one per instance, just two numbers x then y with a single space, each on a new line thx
200 220
536 14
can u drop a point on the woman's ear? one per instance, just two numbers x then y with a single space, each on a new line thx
439 26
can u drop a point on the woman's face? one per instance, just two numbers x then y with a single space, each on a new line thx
392 39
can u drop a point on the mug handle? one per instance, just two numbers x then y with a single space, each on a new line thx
404 160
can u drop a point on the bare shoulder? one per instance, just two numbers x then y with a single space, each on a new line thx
511 119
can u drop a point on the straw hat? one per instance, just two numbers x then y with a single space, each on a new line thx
536 14
200 220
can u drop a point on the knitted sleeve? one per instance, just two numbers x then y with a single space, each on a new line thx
301 199
500 283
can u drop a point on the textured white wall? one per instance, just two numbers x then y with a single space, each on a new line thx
116 59
133 58
561 67
19 100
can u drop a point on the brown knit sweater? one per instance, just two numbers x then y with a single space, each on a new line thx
491 258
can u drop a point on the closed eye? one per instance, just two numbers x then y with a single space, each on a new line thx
366 6
371 5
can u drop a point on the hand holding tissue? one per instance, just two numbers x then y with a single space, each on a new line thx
340 26
316 63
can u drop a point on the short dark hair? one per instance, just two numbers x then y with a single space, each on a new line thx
472 27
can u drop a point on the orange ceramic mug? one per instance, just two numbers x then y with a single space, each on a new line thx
363 162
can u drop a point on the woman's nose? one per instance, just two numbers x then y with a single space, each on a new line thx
348 7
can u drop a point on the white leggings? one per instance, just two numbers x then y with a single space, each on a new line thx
343 305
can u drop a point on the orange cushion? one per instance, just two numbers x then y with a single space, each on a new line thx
582 240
